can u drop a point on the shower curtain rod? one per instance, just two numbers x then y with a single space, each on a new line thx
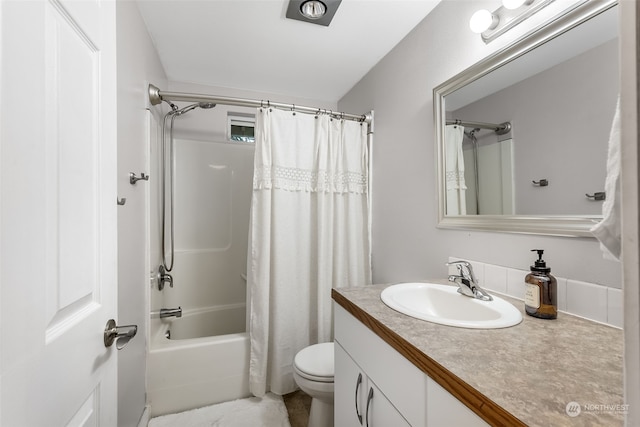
156 96
500 129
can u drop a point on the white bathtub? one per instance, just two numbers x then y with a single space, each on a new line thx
193 368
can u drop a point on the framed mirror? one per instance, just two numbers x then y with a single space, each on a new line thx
522 136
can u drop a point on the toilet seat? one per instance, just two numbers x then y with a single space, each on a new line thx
315 362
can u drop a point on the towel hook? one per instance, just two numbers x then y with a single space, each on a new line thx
542 183
133 178
600 195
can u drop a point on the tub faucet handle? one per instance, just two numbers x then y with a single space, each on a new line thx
164 277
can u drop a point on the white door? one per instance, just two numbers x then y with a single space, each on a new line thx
57 212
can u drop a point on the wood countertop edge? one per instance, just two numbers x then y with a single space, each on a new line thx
484 407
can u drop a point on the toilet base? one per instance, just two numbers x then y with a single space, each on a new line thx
321 414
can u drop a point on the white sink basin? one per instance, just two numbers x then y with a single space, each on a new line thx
444 305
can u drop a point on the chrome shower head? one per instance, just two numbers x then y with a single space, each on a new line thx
203 105
185 109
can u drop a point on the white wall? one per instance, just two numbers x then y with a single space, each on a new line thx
407 245
138 65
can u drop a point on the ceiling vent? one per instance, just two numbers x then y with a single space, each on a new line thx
313 11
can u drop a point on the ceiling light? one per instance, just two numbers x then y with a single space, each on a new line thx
313 9
482 21
319 12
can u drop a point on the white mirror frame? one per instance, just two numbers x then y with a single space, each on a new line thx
556 225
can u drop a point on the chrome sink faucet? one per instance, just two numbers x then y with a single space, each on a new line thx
466 281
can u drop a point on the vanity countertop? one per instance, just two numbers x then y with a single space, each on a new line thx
523 375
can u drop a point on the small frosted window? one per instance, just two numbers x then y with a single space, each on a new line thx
241 128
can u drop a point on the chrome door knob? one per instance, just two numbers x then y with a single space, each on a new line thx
120 334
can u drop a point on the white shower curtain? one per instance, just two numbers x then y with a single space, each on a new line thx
309 232
454 170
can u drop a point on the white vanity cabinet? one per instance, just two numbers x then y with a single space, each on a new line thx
402 395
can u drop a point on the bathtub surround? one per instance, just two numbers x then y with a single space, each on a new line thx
212 199
308 233
266 411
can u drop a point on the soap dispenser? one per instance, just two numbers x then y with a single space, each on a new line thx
541 294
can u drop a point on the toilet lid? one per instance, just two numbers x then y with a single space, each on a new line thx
316 361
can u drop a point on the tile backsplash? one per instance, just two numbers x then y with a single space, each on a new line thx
588 300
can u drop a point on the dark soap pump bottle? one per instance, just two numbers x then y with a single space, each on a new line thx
541 293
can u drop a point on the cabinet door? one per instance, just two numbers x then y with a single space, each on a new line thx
349 390
379 412
444 410
402 382
358 402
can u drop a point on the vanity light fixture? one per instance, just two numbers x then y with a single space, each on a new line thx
313 11
512 12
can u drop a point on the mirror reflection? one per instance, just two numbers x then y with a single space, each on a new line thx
530 137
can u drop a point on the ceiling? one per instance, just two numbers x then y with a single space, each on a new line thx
249 44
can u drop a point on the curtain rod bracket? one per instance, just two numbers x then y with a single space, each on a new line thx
503 128
154 95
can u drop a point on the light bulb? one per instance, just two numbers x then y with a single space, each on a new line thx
313 9
512 4
482 21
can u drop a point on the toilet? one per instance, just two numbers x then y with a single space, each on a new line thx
313 372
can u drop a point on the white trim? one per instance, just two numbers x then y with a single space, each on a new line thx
629 34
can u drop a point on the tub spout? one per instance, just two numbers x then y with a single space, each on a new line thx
170 312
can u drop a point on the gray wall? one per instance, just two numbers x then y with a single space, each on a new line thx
138 65
561 120
407 245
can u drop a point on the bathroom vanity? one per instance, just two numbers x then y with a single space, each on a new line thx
392 369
